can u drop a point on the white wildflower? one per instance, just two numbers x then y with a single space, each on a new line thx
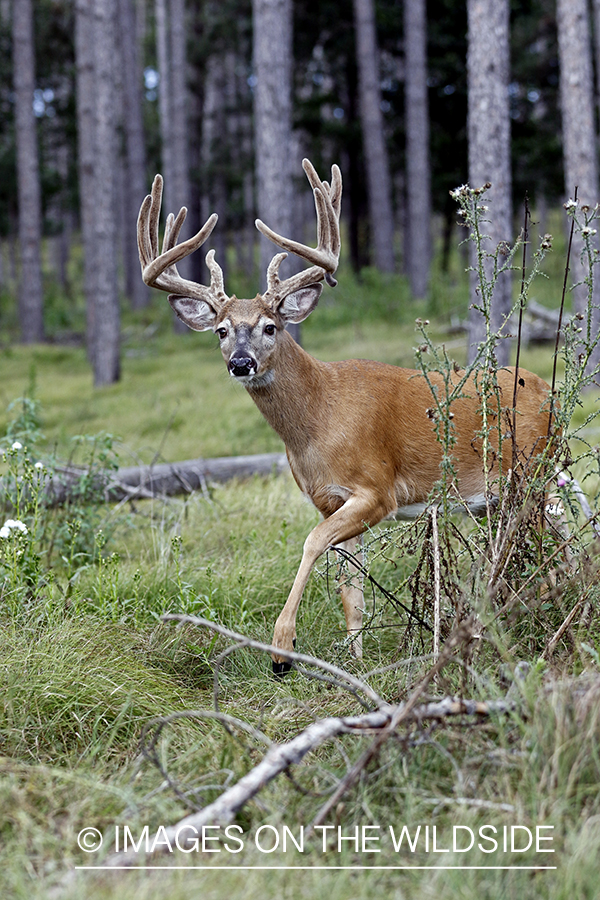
570 204
12 525
17 445
38 465
588 232
459 191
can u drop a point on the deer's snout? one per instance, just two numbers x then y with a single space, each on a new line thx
242 365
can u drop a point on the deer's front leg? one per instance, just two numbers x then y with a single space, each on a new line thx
350 520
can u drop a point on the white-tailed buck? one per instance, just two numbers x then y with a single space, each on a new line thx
358 434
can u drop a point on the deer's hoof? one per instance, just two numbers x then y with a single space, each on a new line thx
281 669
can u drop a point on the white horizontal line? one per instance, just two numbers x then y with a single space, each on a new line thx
323 868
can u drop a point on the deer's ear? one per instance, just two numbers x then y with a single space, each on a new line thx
196 314
298 306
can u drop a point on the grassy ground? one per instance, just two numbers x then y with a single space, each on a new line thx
86 663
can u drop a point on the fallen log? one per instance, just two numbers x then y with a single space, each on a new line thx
540 324
159 480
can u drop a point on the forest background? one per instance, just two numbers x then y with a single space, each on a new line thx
225 98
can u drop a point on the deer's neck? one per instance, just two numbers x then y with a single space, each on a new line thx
293 400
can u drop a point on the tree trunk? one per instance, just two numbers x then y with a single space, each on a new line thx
106 337
578 134
86 126
596 30
28 175
135 151
489 149
178 130
245 160
379 184
164 102
418 175
272 23
172 64
214 198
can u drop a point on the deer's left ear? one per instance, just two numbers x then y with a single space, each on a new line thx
298 306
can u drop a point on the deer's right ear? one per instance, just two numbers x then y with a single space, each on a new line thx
196 314
298 306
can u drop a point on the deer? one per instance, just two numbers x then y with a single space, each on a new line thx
358 434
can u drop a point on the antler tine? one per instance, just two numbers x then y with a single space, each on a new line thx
143 233
273 281
160 271
172 228
335 191
216 273
155 205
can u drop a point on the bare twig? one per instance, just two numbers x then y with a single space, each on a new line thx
153 730
519 333
392 598
436 582
560 318
343 678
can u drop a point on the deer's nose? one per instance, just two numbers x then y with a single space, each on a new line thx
242 365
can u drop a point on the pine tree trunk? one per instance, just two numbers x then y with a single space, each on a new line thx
172 64
106 338
272 23
489 149
596 30
213 138
379 183
418 175
86 126
578 134
135 151
164 102
249 232
28 175
178 130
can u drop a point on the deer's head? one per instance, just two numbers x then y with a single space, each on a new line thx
248 330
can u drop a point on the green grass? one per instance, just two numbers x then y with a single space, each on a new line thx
86 663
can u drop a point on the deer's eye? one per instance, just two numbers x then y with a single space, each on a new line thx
222 333
270 329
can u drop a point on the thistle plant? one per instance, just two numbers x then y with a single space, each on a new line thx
519 557
580 357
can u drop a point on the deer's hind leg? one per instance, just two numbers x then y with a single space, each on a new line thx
351 592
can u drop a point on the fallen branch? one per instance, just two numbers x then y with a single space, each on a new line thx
160 480
280 756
